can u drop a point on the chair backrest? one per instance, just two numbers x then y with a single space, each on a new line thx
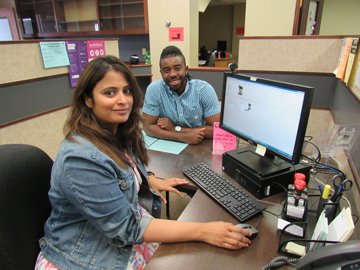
211 61
24 204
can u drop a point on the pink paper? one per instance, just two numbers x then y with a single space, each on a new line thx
176 33
223 141
95 48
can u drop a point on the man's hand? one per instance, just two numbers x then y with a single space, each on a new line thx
193 136
166 124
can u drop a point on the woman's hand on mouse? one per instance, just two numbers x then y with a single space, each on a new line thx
159 185
222 234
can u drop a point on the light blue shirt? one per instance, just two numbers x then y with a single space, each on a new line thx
198 102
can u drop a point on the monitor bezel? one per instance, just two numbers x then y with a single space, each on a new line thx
305 112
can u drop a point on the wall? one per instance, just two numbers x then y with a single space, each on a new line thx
340 21
181 15
269 18
216 24
238 21
311 54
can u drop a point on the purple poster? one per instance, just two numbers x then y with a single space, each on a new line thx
77 52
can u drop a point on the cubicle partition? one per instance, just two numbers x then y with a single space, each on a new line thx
306 60
27 89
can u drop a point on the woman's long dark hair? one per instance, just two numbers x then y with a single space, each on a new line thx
82 121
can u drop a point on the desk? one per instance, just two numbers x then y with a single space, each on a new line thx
224 62
198 255
202 208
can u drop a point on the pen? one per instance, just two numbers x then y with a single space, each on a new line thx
320 189
337 194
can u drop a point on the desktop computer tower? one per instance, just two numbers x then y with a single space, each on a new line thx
260 186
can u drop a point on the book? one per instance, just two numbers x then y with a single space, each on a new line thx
344 58
351 59
340 55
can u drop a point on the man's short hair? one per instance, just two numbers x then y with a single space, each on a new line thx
171 51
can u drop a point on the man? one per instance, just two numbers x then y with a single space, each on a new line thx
177 107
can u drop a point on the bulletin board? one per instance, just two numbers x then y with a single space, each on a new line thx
22 60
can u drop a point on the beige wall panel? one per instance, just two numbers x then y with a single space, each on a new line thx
301 55
23 61
269 18
44 132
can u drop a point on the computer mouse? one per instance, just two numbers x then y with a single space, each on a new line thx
254 232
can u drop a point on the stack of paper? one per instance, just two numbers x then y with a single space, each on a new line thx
342 227
320 232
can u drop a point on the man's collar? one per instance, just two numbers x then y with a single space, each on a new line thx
169 89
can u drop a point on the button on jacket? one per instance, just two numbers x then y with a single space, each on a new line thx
95 218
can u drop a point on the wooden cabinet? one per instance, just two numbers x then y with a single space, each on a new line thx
51 18
224 62
124 15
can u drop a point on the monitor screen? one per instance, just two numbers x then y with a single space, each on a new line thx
221 45
268 113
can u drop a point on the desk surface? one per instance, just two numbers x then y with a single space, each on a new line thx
198 255
202 208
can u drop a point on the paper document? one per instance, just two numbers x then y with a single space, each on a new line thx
320 232
163 145
293 229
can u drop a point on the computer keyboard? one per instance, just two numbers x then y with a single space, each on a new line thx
237 201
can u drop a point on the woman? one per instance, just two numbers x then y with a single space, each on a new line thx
103 201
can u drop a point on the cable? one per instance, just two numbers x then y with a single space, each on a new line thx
280 261
273 213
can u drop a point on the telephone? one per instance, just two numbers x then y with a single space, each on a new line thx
344 255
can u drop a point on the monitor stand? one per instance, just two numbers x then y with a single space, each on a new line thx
262 165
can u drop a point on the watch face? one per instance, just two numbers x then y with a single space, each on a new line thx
178 129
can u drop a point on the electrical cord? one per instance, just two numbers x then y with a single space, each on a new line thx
280 261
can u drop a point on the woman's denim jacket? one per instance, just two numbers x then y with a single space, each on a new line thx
95 218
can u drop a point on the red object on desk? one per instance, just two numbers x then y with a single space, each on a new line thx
299 181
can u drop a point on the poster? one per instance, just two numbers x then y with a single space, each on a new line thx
54 54
78 57
95 48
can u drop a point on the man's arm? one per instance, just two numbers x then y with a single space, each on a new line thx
209 128
187 135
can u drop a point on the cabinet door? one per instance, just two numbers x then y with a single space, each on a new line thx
37 16
76 15
123 15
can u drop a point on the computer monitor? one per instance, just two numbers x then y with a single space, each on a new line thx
270 115
221 45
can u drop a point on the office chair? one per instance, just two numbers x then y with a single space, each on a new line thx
211 61
24 205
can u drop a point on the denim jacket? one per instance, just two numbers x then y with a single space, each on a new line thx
95 218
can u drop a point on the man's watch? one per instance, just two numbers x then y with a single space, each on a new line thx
177 128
